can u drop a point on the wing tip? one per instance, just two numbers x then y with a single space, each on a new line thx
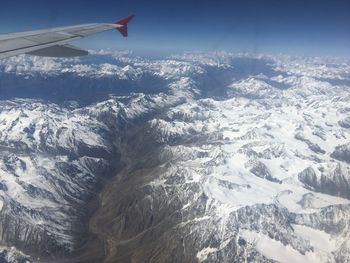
124 25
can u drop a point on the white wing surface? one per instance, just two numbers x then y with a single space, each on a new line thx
53 42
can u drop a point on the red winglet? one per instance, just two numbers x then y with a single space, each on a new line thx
124 22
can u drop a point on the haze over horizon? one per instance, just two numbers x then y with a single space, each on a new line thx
316 28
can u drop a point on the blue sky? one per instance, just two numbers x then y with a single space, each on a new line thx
160 27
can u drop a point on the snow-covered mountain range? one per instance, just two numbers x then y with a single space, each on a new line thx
201 157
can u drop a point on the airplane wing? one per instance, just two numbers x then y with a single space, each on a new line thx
53 42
